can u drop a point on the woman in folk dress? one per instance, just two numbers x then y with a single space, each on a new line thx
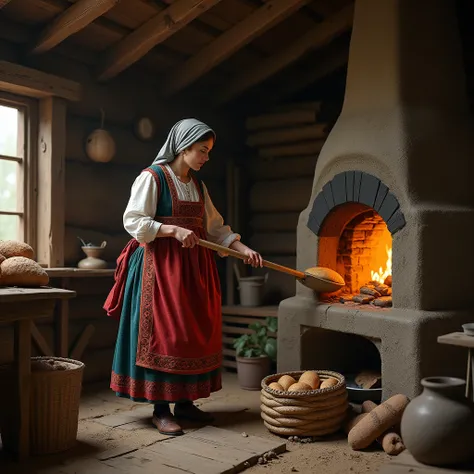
167 290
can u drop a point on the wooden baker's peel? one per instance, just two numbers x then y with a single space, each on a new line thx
320 279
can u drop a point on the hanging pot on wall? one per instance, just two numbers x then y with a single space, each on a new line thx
100 146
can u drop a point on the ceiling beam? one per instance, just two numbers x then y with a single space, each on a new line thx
3 3
72 20
229 42
156 30
316 38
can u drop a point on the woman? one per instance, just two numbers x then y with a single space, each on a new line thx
167 290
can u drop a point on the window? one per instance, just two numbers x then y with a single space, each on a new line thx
17 183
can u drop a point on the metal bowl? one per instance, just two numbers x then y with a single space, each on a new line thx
357 394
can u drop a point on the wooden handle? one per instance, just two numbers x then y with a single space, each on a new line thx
233 253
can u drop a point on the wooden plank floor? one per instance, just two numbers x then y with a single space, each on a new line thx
404 463
209 450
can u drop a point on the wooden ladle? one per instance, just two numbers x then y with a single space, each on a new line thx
320 279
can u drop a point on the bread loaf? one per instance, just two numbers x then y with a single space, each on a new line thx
380 419
22 271
15 248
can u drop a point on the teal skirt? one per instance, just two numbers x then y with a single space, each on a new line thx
146 385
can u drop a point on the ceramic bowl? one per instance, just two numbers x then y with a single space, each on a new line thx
468 329
358 394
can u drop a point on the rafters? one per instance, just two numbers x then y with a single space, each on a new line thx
229 42
322 34
156 30
72 20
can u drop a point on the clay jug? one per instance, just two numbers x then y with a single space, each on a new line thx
438 426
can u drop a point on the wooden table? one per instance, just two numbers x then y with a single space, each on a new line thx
461 339
22 306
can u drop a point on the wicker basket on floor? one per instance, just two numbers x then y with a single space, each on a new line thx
54 407
311 413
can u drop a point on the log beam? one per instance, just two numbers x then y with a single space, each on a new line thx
72 20
261 20
22 80
156 30
321 35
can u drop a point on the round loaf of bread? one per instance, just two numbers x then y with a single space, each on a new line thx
15 248
275 386
22 271
323 273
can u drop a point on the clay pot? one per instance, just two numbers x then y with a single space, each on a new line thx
251 371
438 426
92 262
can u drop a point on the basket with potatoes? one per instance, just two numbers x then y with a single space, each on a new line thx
304 403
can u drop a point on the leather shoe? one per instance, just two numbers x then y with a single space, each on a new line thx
167 425
191 412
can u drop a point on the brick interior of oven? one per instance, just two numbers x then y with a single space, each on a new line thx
364 252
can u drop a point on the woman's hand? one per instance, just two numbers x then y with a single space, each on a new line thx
187 237
253 258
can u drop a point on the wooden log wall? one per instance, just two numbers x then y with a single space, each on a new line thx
287 142
96 194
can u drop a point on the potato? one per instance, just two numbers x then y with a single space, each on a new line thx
275 386
299 387
311 378
330 382
286 380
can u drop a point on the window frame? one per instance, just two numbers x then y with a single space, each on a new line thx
28 174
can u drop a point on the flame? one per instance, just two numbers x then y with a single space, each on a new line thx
382 274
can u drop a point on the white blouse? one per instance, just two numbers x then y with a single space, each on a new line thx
139 216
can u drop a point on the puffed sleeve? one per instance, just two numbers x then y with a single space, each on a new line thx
138 218
216 231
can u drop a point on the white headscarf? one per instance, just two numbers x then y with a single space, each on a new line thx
182 135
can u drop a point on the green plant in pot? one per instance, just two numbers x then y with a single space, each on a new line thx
255 353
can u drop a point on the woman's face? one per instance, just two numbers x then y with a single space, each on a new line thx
198 154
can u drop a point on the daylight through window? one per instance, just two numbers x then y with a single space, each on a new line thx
12 164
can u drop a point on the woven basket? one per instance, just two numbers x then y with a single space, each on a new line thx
311 413
54 407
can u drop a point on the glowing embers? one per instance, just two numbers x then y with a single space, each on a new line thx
365 260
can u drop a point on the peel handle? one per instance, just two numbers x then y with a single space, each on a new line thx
233 253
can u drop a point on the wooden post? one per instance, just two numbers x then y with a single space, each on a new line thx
230 290
23 362
51 189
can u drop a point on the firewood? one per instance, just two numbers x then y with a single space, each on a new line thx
364 299
383 301
370 290
383 289
368 379
388 280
